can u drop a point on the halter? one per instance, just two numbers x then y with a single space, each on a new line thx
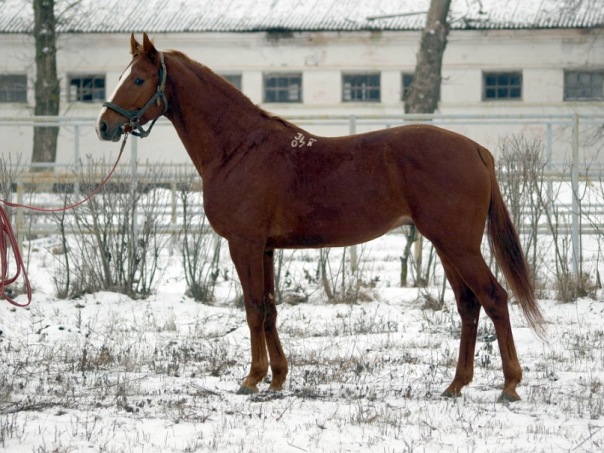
134 116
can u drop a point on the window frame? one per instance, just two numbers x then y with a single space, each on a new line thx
592 85
281 93
97 94
500 87
349 89
10 91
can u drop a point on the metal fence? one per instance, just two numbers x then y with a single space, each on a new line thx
572 144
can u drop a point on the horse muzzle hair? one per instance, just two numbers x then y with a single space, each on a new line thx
108 131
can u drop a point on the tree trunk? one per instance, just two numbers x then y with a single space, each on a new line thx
424 92
47 87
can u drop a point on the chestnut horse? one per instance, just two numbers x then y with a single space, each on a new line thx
267 184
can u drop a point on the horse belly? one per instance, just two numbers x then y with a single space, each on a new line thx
354 205
317 231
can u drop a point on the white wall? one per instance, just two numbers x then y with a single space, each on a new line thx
542 57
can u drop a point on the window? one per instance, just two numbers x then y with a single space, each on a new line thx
501 86
583 85
406 81
361 88
235 80
13 88
283 88
89 88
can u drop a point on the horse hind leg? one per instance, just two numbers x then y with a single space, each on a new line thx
477 276
468 308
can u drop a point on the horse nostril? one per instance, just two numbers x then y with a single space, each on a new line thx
103 130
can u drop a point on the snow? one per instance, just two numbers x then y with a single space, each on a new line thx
108 373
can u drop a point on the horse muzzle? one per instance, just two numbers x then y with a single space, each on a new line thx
107 132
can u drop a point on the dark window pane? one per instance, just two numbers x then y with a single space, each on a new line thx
13 88
361 88
87 88
583 85
407 79
283 88
235 79
501 86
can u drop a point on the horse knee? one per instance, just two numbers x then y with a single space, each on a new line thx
270 314
496 304
254 307
468 305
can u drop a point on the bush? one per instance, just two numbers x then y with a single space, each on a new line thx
120 236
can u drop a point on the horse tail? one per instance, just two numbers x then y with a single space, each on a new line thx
505 246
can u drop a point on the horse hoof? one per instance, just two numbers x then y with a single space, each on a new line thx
508 398
243 390
449 394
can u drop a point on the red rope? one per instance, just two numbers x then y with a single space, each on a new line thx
7 237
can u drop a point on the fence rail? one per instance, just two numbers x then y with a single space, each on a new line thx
67 177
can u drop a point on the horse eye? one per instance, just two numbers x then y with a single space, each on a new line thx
138 81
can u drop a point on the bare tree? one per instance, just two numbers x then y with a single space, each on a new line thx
424 92
47 87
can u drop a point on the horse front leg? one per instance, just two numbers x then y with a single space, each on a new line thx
275 351
248 260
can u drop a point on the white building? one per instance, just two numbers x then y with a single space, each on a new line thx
315 58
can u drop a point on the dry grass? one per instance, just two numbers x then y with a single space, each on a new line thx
370 374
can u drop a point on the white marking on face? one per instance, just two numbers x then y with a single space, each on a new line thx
123 78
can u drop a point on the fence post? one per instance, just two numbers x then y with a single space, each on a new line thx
174 203
576 203
173 213
352 129
550 165
20 224
76 146
134 182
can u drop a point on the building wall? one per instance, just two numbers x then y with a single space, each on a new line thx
541 55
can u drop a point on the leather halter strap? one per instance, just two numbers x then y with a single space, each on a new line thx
134 116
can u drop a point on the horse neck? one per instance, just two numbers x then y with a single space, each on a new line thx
212 118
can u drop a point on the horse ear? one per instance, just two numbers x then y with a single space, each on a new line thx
149 48
134 45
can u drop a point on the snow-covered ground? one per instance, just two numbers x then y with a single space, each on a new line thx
108 373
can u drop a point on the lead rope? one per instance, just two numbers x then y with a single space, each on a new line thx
7 237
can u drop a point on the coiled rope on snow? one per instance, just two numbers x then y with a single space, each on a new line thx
8 239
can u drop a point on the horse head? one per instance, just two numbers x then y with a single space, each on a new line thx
139 96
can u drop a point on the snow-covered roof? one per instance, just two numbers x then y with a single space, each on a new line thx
182 16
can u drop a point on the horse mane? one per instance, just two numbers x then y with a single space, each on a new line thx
226 87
